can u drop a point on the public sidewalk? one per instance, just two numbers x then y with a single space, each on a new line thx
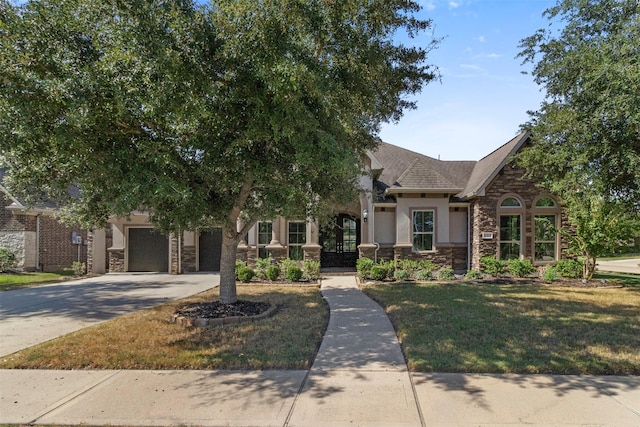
359 378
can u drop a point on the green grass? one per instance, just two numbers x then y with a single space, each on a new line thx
630 280
465 327
288 339
620 257
12 281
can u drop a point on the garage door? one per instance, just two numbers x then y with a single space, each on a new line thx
210 249
148 250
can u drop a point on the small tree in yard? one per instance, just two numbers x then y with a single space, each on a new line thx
201 115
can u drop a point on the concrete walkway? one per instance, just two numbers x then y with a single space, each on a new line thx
359 378
620 266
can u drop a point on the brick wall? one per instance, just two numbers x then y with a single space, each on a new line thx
56 249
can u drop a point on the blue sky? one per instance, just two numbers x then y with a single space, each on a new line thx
483 97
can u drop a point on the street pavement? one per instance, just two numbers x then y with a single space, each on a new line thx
620 266
358 378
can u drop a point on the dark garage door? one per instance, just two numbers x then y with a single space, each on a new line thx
148 250
210 249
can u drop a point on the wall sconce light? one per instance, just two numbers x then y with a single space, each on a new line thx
365 215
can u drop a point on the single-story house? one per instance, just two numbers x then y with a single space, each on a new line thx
412 206
39 241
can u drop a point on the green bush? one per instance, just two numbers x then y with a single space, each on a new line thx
7 259
294 273
423 275
311 269
401 275
473 275
262 264
520 267
363 267
378 272
426 264
493 266
273 272
446 274
550 273
245 274
569 268
287 263
79 268
239 265
389 266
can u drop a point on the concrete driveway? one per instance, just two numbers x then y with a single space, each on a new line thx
620 266
34 315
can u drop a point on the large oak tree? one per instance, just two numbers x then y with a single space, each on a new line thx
217 114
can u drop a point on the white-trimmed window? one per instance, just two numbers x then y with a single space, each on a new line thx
423 230
545 224
297 236
265 229
510 228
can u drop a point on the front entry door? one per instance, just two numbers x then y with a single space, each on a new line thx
340 242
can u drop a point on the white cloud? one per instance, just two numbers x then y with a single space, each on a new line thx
475 67
454 4
428 4
481 39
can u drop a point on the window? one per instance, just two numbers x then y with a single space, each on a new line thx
297 238
545 238
349 235
546 202
510 202
423 227
510 236
264 238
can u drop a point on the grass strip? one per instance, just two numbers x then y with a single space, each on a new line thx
462 327
146 340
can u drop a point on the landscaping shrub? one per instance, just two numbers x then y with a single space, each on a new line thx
389 266
401 275
426 264
262 264
294 273
239 265
569 268
408 265
473 275
79 268
423 274
446 274
245 274
7 259
311 269
378 272
286 264
520 268
273 272
493 266
363 267
550 273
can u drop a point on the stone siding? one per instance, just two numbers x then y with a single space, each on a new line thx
188 259
454 257
116 260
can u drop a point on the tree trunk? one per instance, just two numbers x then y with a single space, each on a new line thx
228 294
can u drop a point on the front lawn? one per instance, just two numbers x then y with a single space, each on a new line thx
146 340
488 328
12 281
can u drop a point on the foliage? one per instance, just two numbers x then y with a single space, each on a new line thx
401 275
569 268
363 267
426 264
286 263
311 269
493 266
7 259
213 115
550 273
599 226
294 273
273 272
585 134
423 275
262 264
446 274
379 272
245 274
520 268
238 266
473 275
79 268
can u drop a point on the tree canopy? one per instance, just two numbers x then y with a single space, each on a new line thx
586 134
201 114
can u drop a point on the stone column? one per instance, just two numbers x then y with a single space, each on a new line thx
276 250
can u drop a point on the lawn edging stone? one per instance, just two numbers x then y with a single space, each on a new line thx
199 322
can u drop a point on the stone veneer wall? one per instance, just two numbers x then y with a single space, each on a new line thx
454 257
484 214
116 260
188 259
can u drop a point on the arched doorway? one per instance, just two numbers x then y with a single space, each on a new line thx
340 242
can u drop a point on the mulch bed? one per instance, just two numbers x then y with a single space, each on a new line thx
217 310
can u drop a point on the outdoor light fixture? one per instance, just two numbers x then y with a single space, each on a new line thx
365 215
